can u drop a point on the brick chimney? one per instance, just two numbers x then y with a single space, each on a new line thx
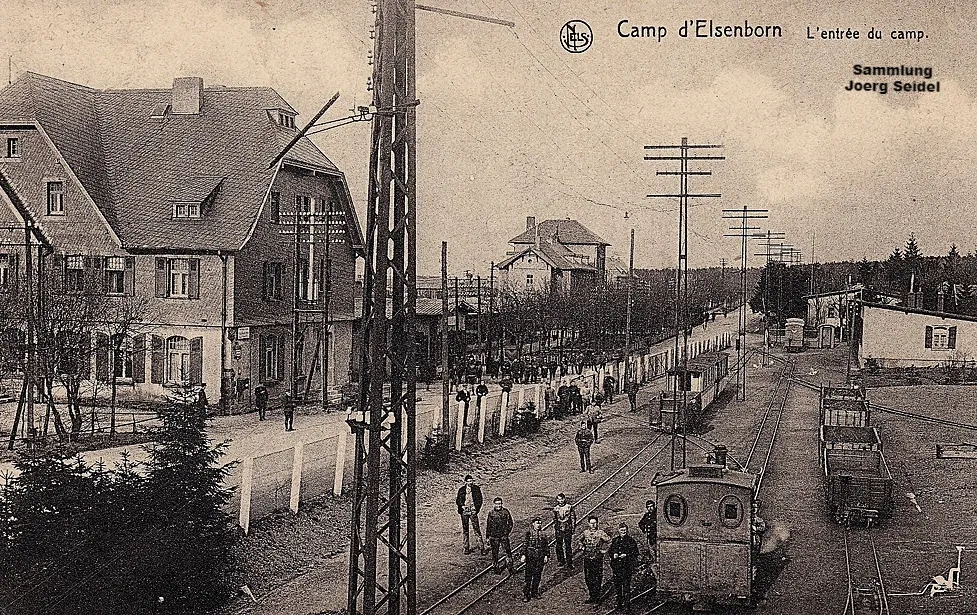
530 222
188 95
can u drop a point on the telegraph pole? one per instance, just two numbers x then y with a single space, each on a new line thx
627 316
685 154
445 382
742 232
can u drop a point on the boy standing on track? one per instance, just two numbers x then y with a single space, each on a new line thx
649 525
584 439
564 520
498 526
595 542
469 502
536 555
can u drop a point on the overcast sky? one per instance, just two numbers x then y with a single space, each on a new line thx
512 125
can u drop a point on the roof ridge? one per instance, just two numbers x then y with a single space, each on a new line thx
32 75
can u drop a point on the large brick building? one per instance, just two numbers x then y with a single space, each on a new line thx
169 194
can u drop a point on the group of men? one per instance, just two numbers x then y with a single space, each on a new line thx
621 551
288 406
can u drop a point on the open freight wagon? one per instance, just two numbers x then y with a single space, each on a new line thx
858 484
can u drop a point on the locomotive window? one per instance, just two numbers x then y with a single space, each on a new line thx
676 509
731 511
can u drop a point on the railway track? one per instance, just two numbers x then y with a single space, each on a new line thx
758 458
470 593
866 582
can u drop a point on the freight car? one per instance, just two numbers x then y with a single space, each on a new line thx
857 480
689 392
708 536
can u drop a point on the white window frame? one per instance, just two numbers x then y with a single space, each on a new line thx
177 359
74 282
178 278
115 271
13 147
125 354
941 337
186 210
270 360
55 207
530 279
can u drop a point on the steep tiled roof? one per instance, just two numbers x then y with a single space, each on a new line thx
563 231
554 254
135 166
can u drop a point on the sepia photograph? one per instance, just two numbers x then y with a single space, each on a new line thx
488 307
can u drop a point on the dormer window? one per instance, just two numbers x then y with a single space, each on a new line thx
186 210
286 120
13 147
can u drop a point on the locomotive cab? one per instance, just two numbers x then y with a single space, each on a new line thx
708 537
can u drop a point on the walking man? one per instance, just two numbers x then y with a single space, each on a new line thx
584 439
633 394
536 555
469 502
623 553
261 400
649 526
595 543
288 407
498 526
594 418
564 520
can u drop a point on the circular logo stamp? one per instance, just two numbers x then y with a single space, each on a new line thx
576 36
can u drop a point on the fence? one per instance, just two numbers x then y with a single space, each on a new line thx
283 479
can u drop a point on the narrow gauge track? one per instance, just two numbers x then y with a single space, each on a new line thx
770 424
861 599
459 600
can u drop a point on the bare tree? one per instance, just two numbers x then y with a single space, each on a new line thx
125 319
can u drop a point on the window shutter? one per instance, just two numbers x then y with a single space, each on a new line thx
130 276
13 262
161 281
194 278
196 360
158 359
264 280
952 338
262 343
103 369
139 358
280 360
279 273
56 271
929 336
85 358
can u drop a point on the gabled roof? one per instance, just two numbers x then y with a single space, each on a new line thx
553 254
563 231
135 165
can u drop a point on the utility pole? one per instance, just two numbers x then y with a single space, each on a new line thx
767 240
681 271
445 381
627 316
742 232
491 320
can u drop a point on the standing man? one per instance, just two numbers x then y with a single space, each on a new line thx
463 397
624 559
609 383
595 542
469 502
480 392
649 526
498 526
564 520
288 408
549 400
584 439
536 555
594 418
633 394
261 400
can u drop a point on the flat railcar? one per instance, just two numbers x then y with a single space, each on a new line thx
690 391
708 536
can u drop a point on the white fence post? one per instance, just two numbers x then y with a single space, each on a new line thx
522 398
293 500
247 478
483 402
536 400
337 483
503 408
460 433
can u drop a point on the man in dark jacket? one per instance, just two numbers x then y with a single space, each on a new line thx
261 400
623 554
498 526
584 439
288 409
649 525
480 392
633 394
469 502
463 397
609 384
536 555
